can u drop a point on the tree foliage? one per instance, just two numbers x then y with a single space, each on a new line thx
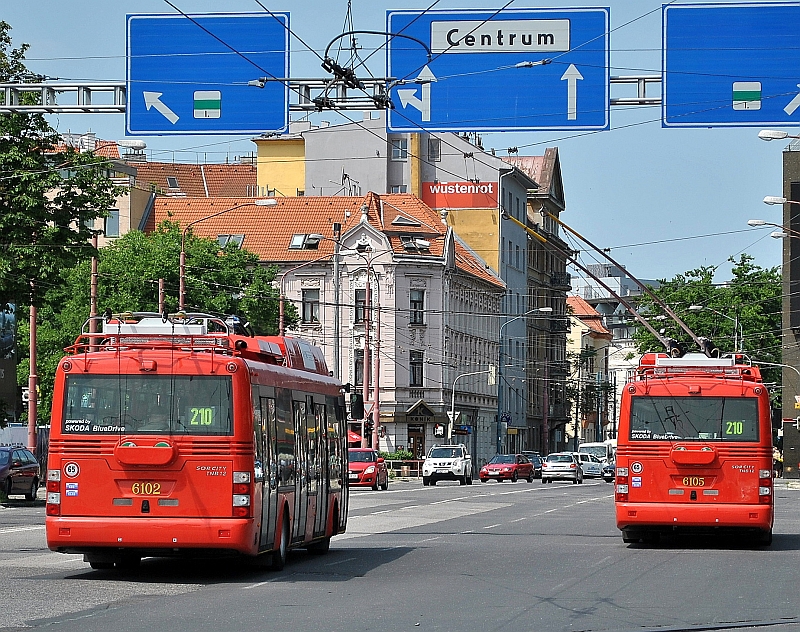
745 310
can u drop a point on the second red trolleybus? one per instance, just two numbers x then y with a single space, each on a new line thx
694 449
176 436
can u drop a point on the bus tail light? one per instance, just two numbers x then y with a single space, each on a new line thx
242 494
621 485
53 493
765 487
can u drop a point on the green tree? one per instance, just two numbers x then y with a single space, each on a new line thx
221 282
746 310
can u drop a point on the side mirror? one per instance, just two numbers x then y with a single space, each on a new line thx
380 460
468 457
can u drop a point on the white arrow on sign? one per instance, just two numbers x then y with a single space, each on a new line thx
793 104
153 100
572 75
409 97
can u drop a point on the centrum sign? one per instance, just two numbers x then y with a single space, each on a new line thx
449 195
500 36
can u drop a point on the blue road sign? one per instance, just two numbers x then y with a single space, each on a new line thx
526 69
731 64
189 75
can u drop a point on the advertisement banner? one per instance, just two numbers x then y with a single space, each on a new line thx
452 195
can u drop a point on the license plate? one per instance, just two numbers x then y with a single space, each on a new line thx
353 477
442 471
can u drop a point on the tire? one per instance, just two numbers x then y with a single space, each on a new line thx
128 562
530 477
463 479
320 547
101 566
425 481
385 486
433 482
484 480
575 481
764 538
279 554
8 486
514 477
375 486
580 481
630 537
31 495
469 480
544 480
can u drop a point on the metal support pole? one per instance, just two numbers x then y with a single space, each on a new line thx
162 307
337 359
365 386
546 410
182 274
376 403
93 296
33 380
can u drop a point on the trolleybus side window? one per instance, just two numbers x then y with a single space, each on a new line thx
141 404
285 438
694 418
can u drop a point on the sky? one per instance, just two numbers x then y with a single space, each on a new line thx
664 201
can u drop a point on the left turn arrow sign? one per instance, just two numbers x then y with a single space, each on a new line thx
153 100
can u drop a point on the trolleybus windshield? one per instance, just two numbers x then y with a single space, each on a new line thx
148 404
694 419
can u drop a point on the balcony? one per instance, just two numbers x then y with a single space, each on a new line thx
561 281
559 368
559 325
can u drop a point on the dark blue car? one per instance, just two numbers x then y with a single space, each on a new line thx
19 472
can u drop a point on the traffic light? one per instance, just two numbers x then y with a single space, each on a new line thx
356 406
369 425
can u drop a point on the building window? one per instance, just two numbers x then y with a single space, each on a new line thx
361 304
399 149
236 240
111 226
399 188
417 359
172 182
304 242
434 149
310 306
358 367
417 305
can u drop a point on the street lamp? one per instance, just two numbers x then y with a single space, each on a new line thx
772 200
778 234
453 400
182 291
738 332
500 369
771 134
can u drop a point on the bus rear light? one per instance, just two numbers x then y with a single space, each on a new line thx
53 510
622 471
53 475
241 500
53 486
53 498
53 503
232 367
241 477
764 491
241 488
622 489
764 473
241 512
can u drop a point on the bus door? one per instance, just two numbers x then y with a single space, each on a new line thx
268 420
301 452
320 465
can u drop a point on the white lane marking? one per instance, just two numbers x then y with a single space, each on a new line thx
430 539
492 526
349 559
519 519
269 581
375 513
37 527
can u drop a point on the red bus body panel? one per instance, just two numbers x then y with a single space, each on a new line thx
694 484
170 493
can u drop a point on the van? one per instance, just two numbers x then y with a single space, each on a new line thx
603 450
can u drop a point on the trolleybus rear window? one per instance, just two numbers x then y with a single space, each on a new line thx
148 404
694 419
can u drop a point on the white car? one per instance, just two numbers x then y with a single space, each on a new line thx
447 463
592 466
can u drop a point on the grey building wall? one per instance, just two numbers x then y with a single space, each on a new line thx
791 312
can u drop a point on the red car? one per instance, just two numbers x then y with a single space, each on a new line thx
367 469
507 467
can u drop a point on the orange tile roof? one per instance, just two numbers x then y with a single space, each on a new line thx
107 149
268 230
588 315
212 180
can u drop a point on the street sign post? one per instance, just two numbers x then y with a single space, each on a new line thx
526 69
189 75
731 65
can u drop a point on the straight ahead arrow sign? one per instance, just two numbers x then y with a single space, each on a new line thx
572 75
153 100
409 97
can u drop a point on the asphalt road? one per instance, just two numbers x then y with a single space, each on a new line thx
488 557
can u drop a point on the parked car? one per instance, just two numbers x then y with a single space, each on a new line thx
536 459
19 472
592 466
507 467
609 471
447 463
562 466
367 469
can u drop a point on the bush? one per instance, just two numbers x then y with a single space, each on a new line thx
397 455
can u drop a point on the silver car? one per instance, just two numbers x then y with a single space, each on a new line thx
562 466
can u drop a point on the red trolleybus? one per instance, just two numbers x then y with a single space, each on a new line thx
694 449
175 436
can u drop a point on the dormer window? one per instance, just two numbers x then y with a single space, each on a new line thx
414 244
224 240
304 242
172 182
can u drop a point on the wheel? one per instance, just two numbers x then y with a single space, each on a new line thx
101 566
544 480
514 477
469 480
375 486
320 547
128 562
463 480
31 495
279 554
530 477
385 485
425 481
433 482
580 481
764 538
8 486
484 480
629 536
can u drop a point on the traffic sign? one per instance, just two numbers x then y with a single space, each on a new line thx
527 69
189 75
731 64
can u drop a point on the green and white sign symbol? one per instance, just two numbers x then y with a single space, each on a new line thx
207 104
746 95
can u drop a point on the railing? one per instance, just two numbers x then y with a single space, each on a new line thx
411 468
